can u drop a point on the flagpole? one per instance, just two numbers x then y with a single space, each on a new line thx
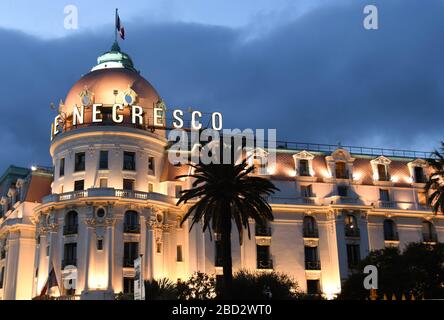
115 27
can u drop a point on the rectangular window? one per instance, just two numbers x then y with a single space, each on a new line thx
62 167
313 287
303 168
342 191
306 191
70 254
151 166
422 198
353 255
129 161
341 172
99 244
384 195
177 191
61 188
103 183
179 257
128 285
382 172
130 253
263 257
47 250
79 185
128 184
150 187
158 247
79 162
103 162
419 175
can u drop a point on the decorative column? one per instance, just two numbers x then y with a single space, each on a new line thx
90 223
166 249
110 222
149 247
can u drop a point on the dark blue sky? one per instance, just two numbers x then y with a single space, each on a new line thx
307 68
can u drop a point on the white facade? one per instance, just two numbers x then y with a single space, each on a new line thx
106 210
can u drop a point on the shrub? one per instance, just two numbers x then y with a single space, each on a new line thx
199 286
162 289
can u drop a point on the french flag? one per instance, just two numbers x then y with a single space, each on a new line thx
119 27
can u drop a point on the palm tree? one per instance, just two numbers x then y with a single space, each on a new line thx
435 184
226 192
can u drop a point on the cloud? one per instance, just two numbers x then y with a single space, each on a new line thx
318 78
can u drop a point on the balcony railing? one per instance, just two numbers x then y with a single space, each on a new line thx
107 192
265 264
70 229
310 232
263 231
430 237
312 265
69 262
131 228
352 231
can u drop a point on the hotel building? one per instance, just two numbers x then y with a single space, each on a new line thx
112 195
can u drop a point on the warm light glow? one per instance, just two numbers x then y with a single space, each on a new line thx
409 180
98 281
357 176
33 168
291 173
375 176
395 179
271 170
330 291
326 174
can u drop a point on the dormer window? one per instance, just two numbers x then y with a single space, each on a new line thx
417 171
304 164
341 171
380 167
259 159
383 172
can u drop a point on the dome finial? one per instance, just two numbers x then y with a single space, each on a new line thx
115 47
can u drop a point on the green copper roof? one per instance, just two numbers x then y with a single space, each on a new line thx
114 58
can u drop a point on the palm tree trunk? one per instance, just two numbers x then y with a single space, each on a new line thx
226 253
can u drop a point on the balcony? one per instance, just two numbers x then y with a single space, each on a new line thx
312 265
265 264
310 232
263 231
70 229
292 200
69 262
430 237
131 228
107 193
352 231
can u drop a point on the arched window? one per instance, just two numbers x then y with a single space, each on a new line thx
428 232
351 226
310 228
131 222
71 223
390 232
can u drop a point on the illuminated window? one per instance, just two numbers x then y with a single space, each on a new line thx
383 172
79 162
179 257
304 169
103 183
340 170
150 187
